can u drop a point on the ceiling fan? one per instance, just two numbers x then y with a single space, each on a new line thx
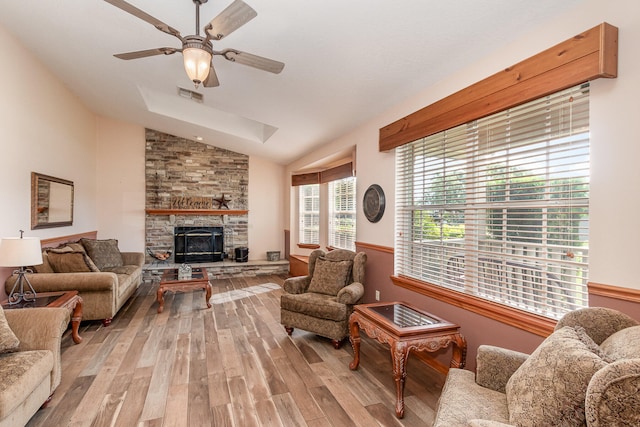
197 51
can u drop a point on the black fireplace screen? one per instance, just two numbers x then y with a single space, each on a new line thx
198 244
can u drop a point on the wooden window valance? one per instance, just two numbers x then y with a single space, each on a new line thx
588 56
327 175
305 179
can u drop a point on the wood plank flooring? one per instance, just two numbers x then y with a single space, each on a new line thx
231 365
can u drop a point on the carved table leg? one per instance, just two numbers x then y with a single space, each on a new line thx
208 294
354 337
76 317
399 355
160 299
459 352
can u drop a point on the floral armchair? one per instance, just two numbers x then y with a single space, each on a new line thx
586 373
322 301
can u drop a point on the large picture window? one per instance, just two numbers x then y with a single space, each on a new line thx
342 213
499 207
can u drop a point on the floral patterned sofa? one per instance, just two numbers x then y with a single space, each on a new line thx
587 372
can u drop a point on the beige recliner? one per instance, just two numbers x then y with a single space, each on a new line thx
322 301
587 372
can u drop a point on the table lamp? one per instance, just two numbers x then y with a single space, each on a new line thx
20 252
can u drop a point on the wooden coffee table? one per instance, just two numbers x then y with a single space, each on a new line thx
170 283
405 328
65 299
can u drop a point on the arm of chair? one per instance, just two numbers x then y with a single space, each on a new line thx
495 365
297 285
51 282
132 258
351 293
612 395
41 329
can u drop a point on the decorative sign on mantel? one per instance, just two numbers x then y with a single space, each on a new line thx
191 202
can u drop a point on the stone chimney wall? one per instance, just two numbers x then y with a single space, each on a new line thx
178 167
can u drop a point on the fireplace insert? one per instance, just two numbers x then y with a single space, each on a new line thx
198 244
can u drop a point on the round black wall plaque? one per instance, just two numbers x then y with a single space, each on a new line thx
373 203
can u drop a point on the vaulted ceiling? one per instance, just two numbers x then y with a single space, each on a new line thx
346 61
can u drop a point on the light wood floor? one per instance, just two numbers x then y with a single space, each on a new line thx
231 365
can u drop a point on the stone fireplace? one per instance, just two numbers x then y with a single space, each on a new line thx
178 168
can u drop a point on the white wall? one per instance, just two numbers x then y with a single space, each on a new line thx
615 148
46 129
121 183
266 208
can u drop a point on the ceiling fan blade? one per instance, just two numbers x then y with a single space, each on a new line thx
212 78
121 4
251 60
148 52
233 17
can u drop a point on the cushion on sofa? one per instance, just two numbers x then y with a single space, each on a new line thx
70 261
330 276
624 344
462 399
8 340
70 247
45 267
21 373
104 253
550 386
316 305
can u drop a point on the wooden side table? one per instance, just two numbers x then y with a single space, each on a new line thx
404 328
66 299
170 283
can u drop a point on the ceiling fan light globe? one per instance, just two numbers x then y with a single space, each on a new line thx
197 63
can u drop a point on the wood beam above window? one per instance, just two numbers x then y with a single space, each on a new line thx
305 179
588 56
327 175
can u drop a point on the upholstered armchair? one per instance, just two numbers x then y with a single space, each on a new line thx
586 373
322 301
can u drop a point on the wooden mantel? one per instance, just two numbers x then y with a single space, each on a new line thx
195 212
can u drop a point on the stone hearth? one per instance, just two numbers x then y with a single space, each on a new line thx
224 269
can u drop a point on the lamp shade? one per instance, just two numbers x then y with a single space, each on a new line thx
196 63
20 252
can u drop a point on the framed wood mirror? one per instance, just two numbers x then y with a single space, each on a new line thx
51 201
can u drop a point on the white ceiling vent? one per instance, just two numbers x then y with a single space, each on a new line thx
189 94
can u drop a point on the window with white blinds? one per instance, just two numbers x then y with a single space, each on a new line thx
342 213
309 214
499 207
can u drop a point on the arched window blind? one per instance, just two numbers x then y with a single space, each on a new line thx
499 207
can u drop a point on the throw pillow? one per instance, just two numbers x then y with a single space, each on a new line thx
550 387
330 276
71 247
104 253
45 267
8 340
624 344
70 262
